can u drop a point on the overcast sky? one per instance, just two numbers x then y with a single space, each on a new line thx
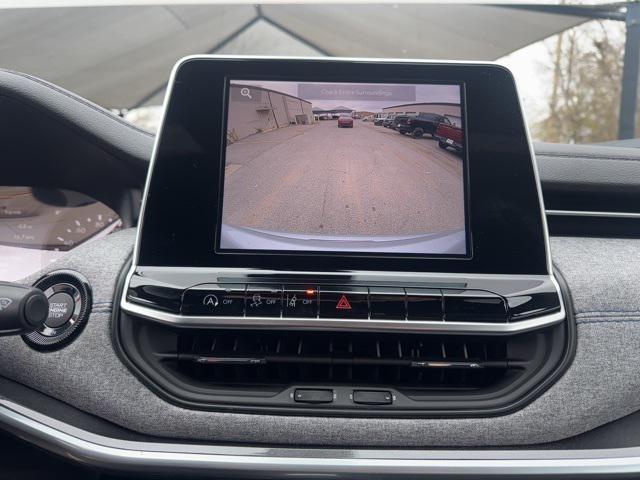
423 94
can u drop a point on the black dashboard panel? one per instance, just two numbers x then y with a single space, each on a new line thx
180 218
589 177
80 146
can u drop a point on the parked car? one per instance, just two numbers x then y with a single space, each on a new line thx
401 120
388 123
423 123
378 121
449 134
345 120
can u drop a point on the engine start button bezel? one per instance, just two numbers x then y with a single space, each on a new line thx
69 295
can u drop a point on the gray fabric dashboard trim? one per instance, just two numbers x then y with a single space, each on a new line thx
601 273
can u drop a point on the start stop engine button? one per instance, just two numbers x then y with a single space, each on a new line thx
61 308
69 296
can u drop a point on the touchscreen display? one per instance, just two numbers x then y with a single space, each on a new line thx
344 167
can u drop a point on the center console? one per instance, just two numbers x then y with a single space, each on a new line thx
342 237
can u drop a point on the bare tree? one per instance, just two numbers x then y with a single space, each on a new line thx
586 77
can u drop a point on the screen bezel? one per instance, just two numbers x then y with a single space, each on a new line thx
507 229
465 175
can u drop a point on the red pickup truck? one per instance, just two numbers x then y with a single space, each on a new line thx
449 134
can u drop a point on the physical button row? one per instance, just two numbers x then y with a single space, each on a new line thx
344 302
363 397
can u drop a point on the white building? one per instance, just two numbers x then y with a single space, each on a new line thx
260 110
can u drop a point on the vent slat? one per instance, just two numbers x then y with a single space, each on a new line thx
404 361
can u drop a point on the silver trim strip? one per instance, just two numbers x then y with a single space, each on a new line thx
536 175
587 213
105 452
339 324
427 278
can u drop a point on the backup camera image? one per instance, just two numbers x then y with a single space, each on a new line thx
344 167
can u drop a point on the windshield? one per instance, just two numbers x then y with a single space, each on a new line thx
566 56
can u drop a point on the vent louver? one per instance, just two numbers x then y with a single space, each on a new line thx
260 370
414 362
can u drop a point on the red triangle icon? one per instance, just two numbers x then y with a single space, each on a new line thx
343 303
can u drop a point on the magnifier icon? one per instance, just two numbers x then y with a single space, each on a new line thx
245 92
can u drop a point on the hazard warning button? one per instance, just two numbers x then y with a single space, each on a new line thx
344 302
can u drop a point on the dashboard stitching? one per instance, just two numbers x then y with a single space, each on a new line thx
609 312
590 157
610 320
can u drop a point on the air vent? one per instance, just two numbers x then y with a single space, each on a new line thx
410 362
261 369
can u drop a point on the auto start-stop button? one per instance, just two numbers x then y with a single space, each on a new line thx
61 308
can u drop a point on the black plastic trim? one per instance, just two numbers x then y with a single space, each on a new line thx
589 177
80 146
590 226
525 393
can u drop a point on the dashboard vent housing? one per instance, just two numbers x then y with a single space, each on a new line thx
259 370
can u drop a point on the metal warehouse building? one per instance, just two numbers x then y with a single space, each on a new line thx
261 109
452 109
